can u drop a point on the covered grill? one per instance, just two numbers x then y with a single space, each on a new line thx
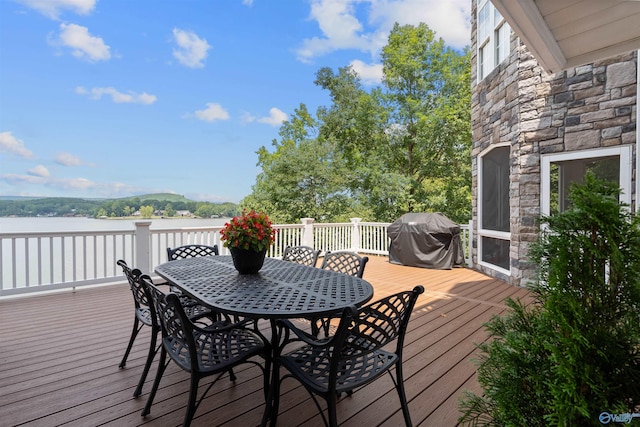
428 240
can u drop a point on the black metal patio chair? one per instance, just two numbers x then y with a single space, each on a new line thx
203 352
191 251
342 262
345 262
304 255
143 317
354 356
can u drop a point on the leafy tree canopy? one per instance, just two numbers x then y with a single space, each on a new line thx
402 146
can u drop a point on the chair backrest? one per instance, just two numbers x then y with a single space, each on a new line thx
191 251
177 330
133 276
345 262
374 326
304 255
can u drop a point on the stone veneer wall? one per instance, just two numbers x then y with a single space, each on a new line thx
536 113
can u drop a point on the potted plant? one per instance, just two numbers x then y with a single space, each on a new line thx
248 238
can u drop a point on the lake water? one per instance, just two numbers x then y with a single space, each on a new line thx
54 224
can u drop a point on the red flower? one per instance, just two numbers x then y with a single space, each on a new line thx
251 230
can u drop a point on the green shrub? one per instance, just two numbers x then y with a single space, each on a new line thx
575 352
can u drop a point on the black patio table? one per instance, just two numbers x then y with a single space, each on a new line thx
281 290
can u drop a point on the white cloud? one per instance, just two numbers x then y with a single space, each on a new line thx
39 177
108 189
340 28
13 178
207 197
11 144
450 19
191 50
83 45
247 118
53 8
212 113
343 26
116 96
369 73
39 171
275 118
77 183
247 2
67 159
60 183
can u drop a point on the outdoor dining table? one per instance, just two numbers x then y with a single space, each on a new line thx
281 290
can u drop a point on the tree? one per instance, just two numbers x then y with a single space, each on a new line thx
408 142
302 177
146 211
575 353
355 125
169 211
377 154
428 96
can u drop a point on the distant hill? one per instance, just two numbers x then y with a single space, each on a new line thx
161 197
125 206
18 198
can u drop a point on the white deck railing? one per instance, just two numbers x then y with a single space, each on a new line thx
35 261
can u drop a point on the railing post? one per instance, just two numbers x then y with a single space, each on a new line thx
355 234
470 245
307 232
143 246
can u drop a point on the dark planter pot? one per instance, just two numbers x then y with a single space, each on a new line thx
247 261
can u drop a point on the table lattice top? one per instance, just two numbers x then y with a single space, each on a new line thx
282 289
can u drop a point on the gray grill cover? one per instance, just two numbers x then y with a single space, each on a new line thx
429 240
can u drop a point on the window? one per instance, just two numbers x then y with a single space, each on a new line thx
559 171
567 172
503 34
494 219
493 38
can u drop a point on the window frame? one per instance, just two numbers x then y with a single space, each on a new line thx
624 152
487 49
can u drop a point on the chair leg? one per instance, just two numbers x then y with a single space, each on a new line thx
152 353
191 406
162 365
332 402
136 328
402 395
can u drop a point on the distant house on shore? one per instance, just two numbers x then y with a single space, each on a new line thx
534 133
183 213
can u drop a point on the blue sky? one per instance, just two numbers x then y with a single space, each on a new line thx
114 98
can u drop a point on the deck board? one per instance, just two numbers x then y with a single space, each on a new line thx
59 356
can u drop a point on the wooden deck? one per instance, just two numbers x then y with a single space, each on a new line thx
59 356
